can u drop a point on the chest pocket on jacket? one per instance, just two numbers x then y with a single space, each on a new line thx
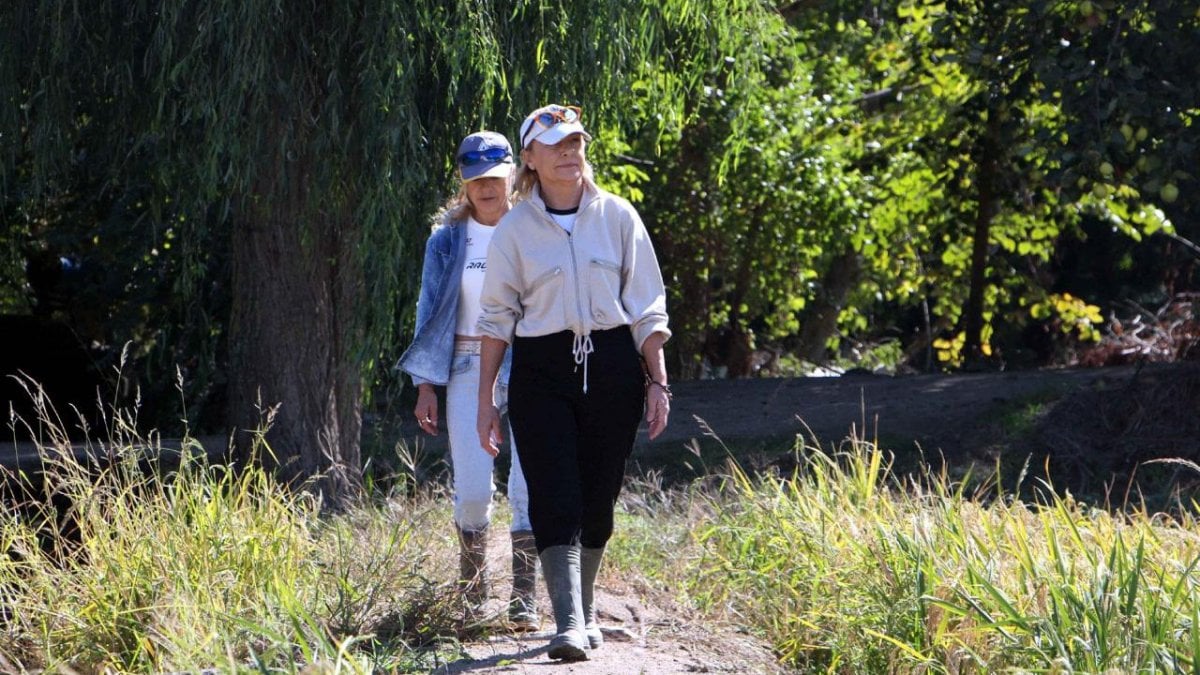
604 293
545 291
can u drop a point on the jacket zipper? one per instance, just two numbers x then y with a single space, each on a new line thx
574 263
578 296
583 340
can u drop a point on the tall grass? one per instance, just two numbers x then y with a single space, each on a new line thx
135 562
845 568
140 561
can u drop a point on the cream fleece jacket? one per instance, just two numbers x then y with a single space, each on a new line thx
541 280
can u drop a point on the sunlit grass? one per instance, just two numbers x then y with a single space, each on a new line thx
147 560
845 569
150 564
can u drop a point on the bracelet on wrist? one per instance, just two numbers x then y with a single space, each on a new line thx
665 387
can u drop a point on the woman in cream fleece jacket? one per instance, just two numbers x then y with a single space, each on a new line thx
573 285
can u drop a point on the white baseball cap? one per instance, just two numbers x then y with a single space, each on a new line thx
552 123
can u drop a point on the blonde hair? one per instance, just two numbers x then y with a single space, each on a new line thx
453 209
524 182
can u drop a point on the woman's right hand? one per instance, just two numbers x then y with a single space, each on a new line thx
427 409
488 425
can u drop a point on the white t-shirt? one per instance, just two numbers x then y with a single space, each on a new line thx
565 220
474 266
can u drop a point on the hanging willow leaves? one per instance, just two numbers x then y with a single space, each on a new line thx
294 152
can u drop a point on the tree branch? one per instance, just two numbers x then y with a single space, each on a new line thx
634 160
1186 242
793 9
876 100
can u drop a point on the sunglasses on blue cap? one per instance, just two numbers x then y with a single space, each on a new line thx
473 157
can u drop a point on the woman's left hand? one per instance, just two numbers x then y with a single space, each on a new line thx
487 425
658 408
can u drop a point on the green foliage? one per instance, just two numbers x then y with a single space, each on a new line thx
1050 76
364 99
888 136
815 176
1075 315
209 160
1114 80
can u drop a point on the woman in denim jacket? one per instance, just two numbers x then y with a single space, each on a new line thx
445 351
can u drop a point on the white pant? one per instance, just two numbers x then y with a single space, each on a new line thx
470 465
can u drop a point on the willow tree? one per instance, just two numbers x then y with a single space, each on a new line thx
313 138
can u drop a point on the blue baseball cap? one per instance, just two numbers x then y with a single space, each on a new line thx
484 154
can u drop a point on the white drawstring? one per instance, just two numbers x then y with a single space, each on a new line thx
581 349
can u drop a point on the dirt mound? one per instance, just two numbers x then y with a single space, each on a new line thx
1113 440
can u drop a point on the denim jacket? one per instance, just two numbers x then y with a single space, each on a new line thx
431 353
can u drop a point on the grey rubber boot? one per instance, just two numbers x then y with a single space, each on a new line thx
589 567
560 567
472 565
522 606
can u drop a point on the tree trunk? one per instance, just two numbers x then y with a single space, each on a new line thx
690 306
985 211
819 321
294 382
739 356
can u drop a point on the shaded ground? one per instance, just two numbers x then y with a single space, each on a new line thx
963 417
937 412
1094 426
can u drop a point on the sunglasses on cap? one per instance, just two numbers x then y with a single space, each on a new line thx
553 116
474 157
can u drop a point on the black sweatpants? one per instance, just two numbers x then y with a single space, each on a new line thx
573 446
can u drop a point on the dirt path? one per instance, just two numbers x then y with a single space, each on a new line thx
643 633
639 638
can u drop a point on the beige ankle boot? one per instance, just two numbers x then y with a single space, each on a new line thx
472 565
